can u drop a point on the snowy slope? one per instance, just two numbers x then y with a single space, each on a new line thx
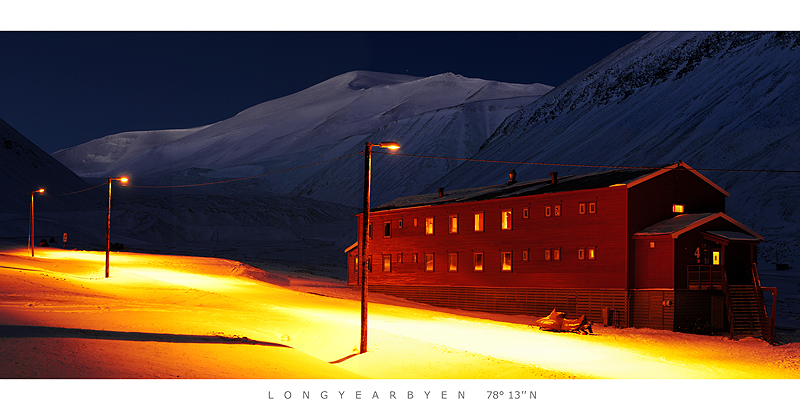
714 100
320 123
24 167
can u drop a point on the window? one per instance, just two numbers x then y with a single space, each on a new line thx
356 266
525 213
556 254
453 223
653 245
399 258
506 223
715 257
590 253
387 229
400 224
452 262
429 225
581 253
525 255
678 209
414 258
557 210
415 222
547 254
592 207
369 263
387 263
369 230
478 259
581 208
428 262
547 211
478 221
506 257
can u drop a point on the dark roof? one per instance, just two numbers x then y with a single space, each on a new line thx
677 225
534 187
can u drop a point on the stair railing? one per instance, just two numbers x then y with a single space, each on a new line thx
767 323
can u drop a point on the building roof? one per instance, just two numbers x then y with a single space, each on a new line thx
682 223
522 188
623 177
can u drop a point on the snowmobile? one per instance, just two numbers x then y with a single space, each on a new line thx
557 322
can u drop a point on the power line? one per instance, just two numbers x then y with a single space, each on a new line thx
581 165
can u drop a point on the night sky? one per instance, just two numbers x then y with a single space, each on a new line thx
61 89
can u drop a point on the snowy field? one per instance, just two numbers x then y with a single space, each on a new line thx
182 317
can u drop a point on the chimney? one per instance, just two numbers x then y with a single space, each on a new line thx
512 177
441 192
554 177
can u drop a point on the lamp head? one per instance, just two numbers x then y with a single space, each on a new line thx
124 180
389 144
40 190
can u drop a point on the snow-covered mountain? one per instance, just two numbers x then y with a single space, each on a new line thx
713 100
24 167
445 114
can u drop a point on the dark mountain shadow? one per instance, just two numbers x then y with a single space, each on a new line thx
16 331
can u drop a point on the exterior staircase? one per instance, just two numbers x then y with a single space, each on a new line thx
744 310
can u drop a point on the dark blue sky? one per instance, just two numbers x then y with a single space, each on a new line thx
61 89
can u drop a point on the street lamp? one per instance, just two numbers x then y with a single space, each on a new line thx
365 234
124 180
30 239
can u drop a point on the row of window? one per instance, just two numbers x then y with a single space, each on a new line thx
478 217
506 259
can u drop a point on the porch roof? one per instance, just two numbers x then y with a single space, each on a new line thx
676 226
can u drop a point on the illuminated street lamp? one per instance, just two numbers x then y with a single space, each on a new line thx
124 180
365 234
30 239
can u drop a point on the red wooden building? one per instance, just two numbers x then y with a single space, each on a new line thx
643 248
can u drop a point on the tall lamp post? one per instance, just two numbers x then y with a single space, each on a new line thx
30 239
365 232
108 219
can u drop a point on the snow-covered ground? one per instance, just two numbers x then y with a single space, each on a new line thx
160 316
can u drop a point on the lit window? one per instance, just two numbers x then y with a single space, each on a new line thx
429 262
525 213
678 209
547 254
399 258
429 225
652 244
506 261
557 210
547 211
478 258
525 255
452 262
355 267
506 219
581 209
556 254
479 222
591 253
415 222
414 257
581 254
453 223
715 257
387 263
592 207
387 229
